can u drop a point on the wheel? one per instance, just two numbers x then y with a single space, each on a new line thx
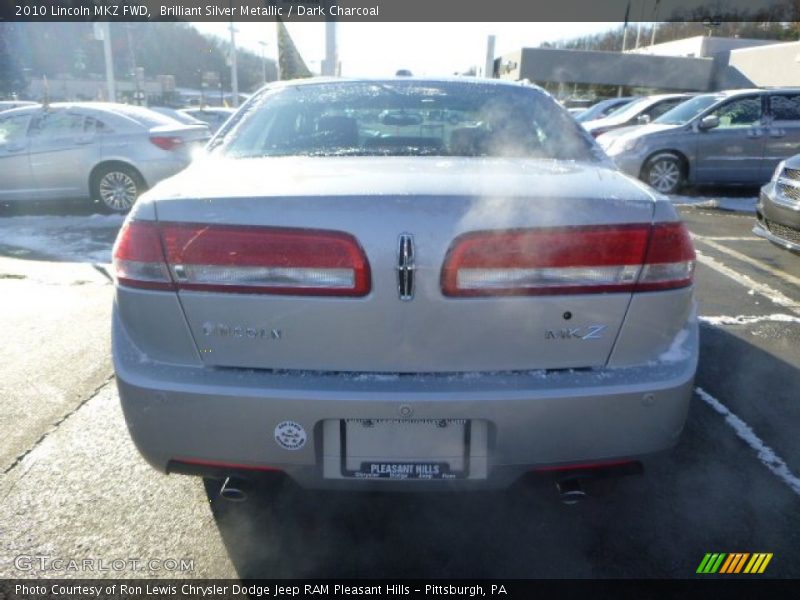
116 187
665 173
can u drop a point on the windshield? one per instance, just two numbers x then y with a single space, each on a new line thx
408 118
686 111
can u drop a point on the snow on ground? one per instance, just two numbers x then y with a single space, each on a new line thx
730 203
76 238
748 320
766 455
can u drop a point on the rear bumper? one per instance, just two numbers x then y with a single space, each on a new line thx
524 420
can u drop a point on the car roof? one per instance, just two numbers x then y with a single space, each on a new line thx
464 79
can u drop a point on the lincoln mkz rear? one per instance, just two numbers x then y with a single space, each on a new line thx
413 284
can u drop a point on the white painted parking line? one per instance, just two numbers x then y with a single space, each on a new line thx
729 238
756 263
759 288
747 320
766 454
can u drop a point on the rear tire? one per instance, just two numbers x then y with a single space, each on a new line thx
665 172
116 187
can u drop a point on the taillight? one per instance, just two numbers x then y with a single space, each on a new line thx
569 260
247 259
166 142
670 259
138 257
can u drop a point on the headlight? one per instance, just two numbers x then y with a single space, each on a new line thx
618 146
778 170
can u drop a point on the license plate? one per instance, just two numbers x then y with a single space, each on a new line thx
405 449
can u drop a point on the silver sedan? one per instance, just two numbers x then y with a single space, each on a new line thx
357 292
100 152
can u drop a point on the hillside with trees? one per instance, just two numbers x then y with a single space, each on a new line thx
54 50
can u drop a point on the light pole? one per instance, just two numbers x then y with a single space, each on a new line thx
234 70
263 62
102 32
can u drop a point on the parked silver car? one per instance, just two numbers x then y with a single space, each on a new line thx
366 302
604 108
637 112
96 151
778 208
733 137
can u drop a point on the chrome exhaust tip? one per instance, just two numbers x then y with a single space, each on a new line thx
570 491
232 491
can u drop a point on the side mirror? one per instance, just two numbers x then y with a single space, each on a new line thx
709 122
643 119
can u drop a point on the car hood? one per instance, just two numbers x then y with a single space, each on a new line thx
212 177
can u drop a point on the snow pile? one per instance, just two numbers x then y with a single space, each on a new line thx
747 320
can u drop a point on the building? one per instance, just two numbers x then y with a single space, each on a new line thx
692 64
701 46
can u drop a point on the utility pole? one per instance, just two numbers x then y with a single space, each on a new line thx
655 23
624 39
488 63
263 62
329 64
234 71
102 31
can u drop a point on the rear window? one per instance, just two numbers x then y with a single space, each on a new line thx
404 118
144 116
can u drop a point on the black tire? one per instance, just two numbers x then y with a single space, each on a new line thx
115 187
665 172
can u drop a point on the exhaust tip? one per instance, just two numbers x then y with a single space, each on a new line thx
231 491
570 491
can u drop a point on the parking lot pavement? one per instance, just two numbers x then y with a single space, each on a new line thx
731 484
83 492
55 331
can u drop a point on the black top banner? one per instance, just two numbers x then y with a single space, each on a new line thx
400 10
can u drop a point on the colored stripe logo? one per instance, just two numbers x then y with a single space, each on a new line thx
734 563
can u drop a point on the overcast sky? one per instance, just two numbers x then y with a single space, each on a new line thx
379 49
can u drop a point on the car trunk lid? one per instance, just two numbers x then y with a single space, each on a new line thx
389 207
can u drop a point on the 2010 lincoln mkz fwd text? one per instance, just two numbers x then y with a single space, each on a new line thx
404 283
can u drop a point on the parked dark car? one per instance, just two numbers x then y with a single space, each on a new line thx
778 208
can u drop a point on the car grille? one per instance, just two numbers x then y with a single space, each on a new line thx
791 173
782 231
789 191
